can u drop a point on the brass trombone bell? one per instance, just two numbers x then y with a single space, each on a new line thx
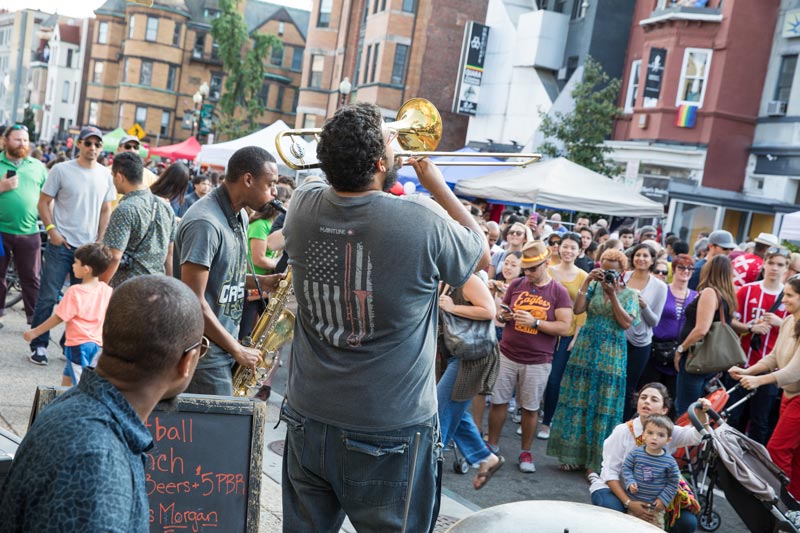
419 129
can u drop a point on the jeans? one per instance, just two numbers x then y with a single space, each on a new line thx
57 265
455 420
216 380
329 471
560 359
752 418
689 387
27 252
637 361
686 522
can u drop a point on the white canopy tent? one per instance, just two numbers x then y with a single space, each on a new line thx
561 184
790 227
218 154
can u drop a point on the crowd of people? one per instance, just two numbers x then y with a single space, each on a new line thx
592 323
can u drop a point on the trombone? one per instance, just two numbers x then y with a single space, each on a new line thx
419 129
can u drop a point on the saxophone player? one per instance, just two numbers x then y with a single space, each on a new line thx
211 247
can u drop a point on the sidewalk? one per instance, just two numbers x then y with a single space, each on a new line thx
21 377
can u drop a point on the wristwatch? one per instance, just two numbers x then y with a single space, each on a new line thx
627 503
680 349
535 323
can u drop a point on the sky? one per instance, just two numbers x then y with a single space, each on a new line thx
85 8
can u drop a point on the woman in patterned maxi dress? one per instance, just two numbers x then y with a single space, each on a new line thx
592 398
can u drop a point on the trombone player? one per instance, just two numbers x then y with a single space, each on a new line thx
363 436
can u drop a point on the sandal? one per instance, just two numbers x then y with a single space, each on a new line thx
486 476
569 467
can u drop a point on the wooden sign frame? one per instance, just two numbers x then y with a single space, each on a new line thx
199 403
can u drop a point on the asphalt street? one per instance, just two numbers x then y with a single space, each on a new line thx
20 378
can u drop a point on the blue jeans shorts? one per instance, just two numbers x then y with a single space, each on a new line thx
79 357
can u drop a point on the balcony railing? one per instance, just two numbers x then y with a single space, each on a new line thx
667 11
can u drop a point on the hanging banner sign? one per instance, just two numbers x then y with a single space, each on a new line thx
470 71
655 75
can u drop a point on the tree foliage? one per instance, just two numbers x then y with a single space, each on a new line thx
29 120
582 131
243 57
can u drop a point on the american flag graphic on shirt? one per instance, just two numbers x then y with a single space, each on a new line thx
338 292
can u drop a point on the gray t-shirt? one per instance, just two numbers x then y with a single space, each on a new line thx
655 294
206 238
365 272
79 194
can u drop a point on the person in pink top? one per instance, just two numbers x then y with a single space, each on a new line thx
83 309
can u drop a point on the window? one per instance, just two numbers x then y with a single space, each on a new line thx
294 101
98 72
102 35
279 99
263 94
146 74
214 51
366 64
93 112
210 12
633 86
74 92
281 28
309 121
375 7
572 66
164 122
215 87
408 6
374 63
65 92
276 57
171 75
125 70
141 115
383 5
199 45
119 116
69 58
785 76
694 75
324 16
151 33
176 34
130 28
317 65
399 66
578 10
297 59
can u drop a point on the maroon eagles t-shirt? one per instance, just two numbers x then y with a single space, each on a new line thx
523 344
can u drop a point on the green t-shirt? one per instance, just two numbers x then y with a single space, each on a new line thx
259 229
18 212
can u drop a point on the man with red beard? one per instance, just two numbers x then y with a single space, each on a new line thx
21 180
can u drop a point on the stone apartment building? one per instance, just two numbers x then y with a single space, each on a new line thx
148 62
388 51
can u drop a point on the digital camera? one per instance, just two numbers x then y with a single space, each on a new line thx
610 276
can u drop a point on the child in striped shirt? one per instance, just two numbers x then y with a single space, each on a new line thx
651 474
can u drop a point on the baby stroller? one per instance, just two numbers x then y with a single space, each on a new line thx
742 468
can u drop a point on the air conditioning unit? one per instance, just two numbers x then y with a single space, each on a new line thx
776 108
562 74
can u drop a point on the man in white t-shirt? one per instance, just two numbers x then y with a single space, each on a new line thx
75 206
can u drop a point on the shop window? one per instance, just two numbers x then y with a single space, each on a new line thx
694 76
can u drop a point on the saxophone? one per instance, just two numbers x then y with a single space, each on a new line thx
274 328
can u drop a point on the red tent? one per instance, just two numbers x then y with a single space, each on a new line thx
187 149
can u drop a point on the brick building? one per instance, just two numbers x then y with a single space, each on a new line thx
389 51
148 62
691 90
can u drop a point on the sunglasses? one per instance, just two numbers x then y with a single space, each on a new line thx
15 127
516 232
203 344
554 242
661 272
131 146
685 268
96 144
533 268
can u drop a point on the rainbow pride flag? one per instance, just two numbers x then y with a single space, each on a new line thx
687 116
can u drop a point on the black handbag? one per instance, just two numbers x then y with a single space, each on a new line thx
466 338
662 353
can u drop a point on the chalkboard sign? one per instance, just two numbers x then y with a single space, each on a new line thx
204 470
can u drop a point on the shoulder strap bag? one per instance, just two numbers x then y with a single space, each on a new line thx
718 350
466 338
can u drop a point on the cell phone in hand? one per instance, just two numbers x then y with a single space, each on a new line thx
10 174
506 308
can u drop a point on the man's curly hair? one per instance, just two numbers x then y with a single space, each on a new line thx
350 144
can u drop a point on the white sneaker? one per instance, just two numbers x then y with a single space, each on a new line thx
519 430
516 416
526 463
544 433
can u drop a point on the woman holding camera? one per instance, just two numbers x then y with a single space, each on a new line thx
590 404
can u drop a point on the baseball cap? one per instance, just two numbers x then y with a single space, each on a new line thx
722 238
90 131
130 138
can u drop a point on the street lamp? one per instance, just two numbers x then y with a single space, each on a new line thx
198 98
344 90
